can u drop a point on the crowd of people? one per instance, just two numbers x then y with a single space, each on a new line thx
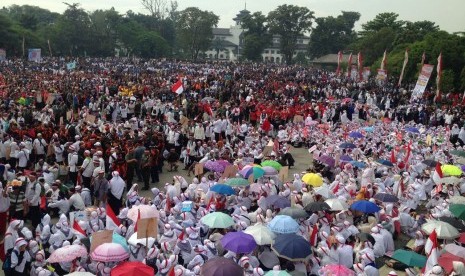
77 142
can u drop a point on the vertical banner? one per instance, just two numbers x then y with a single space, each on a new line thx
384 61
438 78
381 77
403 68
366 73
339 60
34 55
353 72
349 66
360 65
2 54
422 81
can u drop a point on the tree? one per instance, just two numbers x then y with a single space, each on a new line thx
374 44
194 30
415 31
104 32
256 37
381 21
289 22
333 34
150 45
157 8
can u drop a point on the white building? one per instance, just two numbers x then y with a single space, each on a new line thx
227 43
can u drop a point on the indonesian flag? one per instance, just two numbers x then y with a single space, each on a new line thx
384 61
409 150
314 236
432 251
210 202
138 218
177 87
112 220
349 65
77 229
439 170
208 109
438 78
339 61
437 175
403 67
181 236
168 204
400 188
360 64
393 157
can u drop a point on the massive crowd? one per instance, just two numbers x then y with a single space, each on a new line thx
74 143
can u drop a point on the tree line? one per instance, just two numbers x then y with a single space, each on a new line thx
167 32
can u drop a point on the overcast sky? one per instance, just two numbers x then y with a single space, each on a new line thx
448 14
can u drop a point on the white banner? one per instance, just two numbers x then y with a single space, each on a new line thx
422 81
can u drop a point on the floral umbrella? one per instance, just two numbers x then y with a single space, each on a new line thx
67 253
109 252
214 166
336 270
146 211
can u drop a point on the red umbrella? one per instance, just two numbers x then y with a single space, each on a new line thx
132 269
461 239
446 259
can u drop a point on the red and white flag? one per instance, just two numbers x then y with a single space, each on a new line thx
403 67
438 78
393 157
401 188
439 170
177 87
349 65
77 229
360 64
432 251
314 236
339 61
138 218
384 61
112 220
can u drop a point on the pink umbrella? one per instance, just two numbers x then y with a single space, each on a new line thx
146 211
109 252
269 171
67 253
336 270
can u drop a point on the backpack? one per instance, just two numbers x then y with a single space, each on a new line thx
7 263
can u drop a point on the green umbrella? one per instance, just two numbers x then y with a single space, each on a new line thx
277 273
460 153
217 220
458 210
409 258
271 163
237 181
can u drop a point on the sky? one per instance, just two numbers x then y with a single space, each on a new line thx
448 14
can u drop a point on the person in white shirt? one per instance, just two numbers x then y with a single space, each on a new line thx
87 169
58 149
39 147
22 156
85 195
4 206
72 164
75 200
33 190
19 264
217 127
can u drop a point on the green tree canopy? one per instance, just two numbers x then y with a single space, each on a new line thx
256 37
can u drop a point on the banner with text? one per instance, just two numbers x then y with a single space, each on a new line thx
2 55
422 80
34 55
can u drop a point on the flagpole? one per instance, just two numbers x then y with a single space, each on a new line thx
24 41
49 48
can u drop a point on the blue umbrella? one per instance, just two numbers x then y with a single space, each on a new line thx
365 206
385 162
222 189
346 158
412 130
283 225
238 242
292 247
278 202
347 146
356 135
369 129
384 197
358 164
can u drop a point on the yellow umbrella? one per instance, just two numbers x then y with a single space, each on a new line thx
451 170
312 179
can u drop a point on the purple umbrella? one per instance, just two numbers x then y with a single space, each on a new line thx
328 160
346 158
221 267
269 171
238 242
213 166
278 202
223 163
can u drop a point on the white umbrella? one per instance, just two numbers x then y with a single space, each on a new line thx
337 204
80 273
261 234
455 250
324 191
443 229
133 240
457 200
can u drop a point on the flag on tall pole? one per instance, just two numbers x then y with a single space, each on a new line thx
438 78
339 60
403 67
360 64
384 61
349 65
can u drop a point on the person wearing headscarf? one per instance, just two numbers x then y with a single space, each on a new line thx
19 257
459 268
115 195
11 235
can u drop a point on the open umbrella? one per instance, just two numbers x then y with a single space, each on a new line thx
365 206
457 199
109 252
461 239
208 99
460 153
430 163
134 241
238 242
257 172
336 270
132 269
312 179
294 212
412 130
146 211
277 201
80 273
236 182
337 204
328 160
356 135
213 166
358 164
443 229
324 191
221 267
283 225
446 261
222 189
409 258
269 171
451 170
277 273
385 197
291 247
317 206
271 163
261 234
347 146
117 238
456 250
346 159
458 210
67 253
217 220
384 163
369 129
